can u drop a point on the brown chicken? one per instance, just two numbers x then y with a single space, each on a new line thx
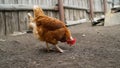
49 30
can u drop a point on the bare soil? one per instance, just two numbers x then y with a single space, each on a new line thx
96 47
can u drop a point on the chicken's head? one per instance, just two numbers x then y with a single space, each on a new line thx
71 42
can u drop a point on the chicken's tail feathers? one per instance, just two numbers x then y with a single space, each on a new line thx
30 16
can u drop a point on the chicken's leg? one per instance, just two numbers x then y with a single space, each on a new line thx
48 49
59 49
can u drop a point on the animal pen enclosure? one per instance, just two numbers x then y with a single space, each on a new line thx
13 13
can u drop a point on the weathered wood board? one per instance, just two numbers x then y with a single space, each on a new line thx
13 13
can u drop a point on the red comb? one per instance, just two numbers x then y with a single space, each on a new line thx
71 42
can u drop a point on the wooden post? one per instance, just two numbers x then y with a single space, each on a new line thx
61 10
105 6
113 3
91 10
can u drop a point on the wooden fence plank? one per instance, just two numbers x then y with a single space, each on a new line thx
15 1
78 14
54 2
66 10
14 7
8 20
8 1
2 23
57 15
1 1
66 14
75 7
76 17
15 21
23 21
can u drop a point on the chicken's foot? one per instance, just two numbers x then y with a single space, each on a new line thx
59 49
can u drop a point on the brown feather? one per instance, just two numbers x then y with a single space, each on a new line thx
49 23
50 30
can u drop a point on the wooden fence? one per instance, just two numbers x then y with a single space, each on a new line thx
13 13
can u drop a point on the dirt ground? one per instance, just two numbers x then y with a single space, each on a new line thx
96 47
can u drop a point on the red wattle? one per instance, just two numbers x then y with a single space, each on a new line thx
71 42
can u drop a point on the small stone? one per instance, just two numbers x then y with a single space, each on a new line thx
83 35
